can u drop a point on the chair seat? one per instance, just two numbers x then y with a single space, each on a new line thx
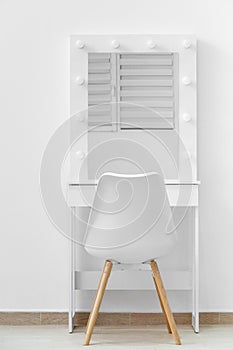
136 253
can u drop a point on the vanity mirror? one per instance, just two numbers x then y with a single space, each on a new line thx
137 87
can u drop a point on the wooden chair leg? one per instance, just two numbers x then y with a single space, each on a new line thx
161 303
99 296
164 302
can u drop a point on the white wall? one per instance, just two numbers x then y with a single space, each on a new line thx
34 85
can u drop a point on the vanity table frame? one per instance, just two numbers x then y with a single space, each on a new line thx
186 47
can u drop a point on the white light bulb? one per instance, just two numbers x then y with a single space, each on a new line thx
186 81
80 44
80 154
187 154
187 117
151 44
115 44
187 43
80 80
82 118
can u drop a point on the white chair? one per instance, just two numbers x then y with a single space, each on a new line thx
130 223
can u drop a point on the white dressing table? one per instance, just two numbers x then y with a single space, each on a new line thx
81 195
112 69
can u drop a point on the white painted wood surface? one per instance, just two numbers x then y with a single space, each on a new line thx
182 195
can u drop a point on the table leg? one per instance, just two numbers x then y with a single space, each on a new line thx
72 272
195 312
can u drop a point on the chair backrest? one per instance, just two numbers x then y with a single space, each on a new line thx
131 219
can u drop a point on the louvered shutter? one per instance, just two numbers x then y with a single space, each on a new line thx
101 91
147 90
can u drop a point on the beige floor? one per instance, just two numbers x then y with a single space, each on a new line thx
217 337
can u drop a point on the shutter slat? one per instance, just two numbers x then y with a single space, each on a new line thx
148 124
93 57
152 93
135 72
99 114
100 108
151 103
147 61
99 78
98 99
101 120
138 114
155 56
97 67
146 82
98 88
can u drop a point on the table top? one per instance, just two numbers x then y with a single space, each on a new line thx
167 182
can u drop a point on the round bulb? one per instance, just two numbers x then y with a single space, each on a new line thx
80 44
187 43
80 154
82 118
80 80
186 81
187 155
151 44
187 117
115 44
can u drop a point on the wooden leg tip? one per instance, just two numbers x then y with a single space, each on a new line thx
87 341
